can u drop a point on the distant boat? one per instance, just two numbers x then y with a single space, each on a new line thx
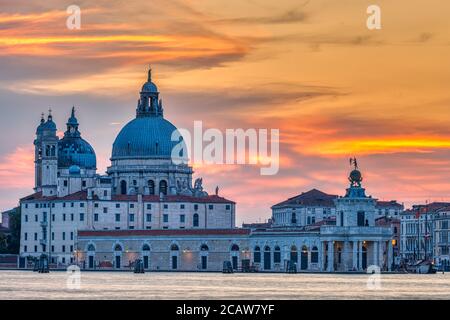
422 267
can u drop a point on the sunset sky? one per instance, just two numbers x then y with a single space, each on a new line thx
311 69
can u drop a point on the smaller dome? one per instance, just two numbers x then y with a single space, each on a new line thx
74 170
48 125
149 87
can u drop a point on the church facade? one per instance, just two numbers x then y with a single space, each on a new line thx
146 207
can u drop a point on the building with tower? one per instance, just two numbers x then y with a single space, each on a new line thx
146 207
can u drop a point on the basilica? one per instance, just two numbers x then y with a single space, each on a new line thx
146 207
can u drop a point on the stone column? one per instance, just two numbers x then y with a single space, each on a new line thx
375 253
360 255
355 255
381 246
320 256
389 255
330 256
346 255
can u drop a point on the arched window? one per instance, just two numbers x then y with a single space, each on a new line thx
234 247
151 186
294 254
163 187
118 247
277 255
204 247
293 217
257 255
174 247
145 247
314 255
91 248
195 222
123 187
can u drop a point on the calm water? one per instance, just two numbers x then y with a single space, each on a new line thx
118 285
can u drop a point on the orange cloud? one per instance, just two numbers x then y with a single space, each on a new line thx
17 169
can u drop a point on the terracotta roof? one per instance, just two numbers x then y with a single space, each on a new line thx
173 198
82 195
387 204
161 232
312 197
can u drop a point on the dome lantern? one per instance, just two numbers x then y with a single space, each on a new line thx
148 104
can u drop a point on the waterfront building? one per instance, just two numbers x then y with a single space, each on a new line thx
352 242
417 235
144 187
314 206
146 207
441 243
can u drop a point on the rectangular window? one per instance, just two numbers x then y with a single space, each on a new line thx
35 236
53 248
182 218
63 248
131 227
181 206
26 205
64 217
65 183
166 206
71 248
26 236
71 217
195 207
105 210
36 205
53 236
149 217
210 207
105 193
148 227
227 207
117 217
131 205
71 237
81 216
165 218
26 218
96 217
36 218
149 206
25 248
117 205
96 205
361 218
83 183
131 217
64 204
53 217
35 248
72 204
81 204
64 236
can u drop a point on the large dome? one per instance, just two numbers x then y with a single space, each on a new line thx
145 137
75 151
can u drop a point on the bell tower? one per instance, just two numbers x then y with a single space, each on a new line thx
46 157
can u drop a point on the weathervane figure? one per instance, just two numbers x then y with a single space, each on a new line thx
354 162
